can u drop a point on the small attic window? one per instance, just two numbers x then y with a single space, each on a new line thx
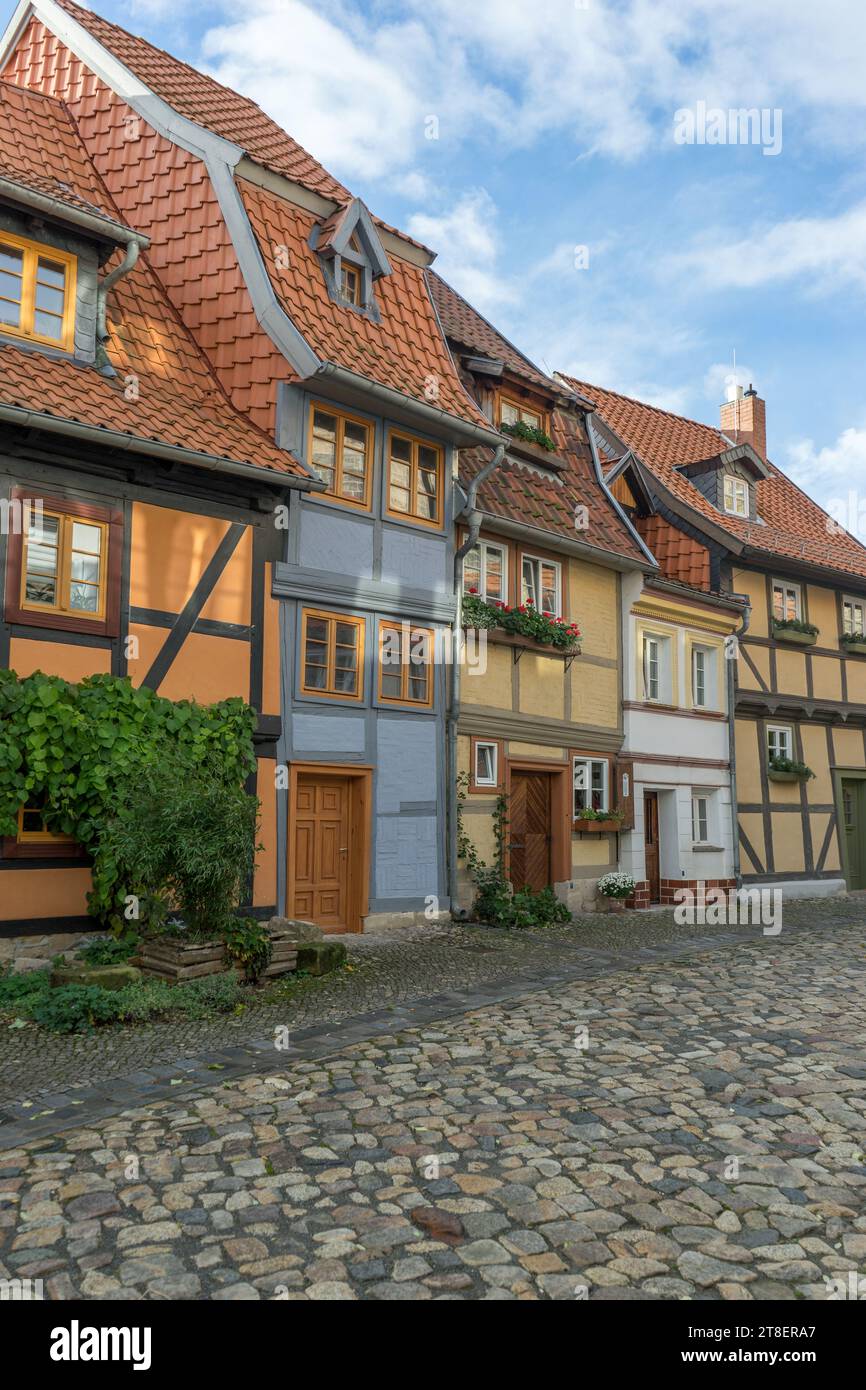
37 292
736 496
351 284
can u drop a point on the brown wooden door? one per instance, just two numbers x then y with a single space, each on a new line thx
651 843
321 850
530 830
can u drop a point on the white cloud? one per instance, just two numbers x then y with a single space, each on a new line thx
820 253
355 85
835 475
468 245
720 375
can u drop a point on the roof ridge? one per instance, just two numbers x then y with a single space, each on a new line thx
645 405
497 331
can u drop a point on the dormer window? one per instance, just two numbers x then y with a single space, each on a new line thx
351 284
736 496
37 292
512 413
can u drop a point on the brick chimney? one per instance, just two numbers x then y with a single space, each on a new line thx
744 419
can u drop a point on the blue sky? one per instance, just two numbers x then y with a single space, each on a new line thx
554 128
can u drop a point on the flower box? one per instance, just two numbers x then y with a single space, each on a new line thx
859 648
500 638
792 634
597 827
784 776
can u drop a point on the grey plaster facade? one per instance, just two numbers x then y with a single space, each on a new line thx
369 565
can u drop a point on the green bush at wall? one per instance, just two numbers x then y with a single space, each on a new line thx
87 750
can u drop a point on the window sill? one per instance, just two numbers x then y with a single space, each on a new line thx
703 848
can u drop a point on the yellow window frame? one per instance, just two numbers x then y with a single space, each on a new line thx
522 407
406 667
38 837
33 250
330 692
342 418
66 521
416 445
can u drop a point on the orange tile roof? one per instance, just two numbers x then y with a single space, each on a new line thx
39 148
204 100
179 401
679 556
791 525
464 325
404 350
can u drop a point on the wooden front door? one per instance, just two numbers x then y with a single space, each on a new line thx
531 833
853 827
651 843
321 849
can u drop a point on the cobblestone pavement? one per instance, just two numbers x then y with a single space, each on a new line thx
386 974
707 1143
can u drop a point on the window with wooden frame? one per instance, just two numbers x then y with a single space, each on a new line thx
787 601
736 495
340 451
853 617
488 765
512 412
414 480
33 839
350 284
37 292
64 565
700 819
591 781
541 584
780 741
332 655
485 572
405 664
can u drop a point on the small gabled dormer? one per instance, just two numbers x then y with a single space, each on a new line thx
729 480
352 257
53 247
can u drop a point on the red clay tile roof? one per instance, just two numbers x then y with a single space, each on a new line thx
464 325
679 556
791 526
40 149
179 401
404 350
204 100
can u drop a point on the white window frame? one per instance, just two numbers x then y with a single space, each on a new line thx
493 780
740 493
536 561
788 590
850 625
781 733
707 657
483 547
587 765
652 640
700 821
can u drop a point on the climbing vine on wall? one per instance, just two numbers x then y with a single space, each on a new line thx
80 751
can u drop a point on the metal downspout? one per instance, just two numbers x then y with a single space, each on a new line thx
732 750
126 265
473 518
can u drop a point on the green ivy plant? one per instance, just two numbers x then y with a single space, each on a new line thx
85 750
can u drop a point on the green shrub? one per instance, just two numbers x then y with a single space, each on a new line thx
74 1008
248 945
109 950
23 987
186 844
212 994
499 907
147 999
88 748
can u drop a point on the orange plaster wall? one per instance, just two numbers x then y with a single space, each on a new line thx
39 893
170 549
73 663
230 601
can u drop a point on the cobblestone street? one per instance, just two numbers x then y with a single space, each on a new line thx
707 1141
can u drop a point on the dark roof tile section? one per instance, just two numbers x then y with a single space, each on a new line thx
464 325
